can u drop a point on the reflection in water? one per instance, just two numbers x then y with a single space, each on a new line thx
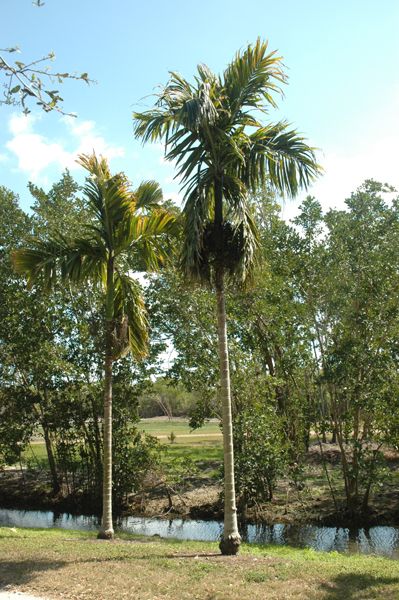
371 540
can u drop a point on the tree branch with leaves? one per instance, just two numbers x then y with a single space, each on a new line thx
34 81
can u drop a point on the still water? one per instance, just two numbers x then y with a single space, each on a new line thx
373 540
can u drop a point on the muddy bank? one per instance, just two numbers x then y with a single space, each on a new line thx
204 502
31 490
200 499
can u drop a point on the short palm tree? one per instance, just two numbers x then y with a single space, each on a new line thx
124 225
212 131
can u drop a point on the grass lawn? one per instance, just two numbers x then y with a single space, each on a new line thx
71 565
201 452
35 451
180 427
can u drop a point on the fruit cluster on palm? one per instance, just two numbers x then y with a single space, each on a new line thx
213 132
127 228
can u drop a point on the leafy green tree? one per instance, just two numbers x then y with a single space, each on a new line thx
182 320
51 364
261 454
358 333
20 351
212 131
123 225
59 209
346 280
166 398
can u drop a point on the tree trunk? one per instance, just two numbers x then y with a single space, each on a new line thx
107 530
231 539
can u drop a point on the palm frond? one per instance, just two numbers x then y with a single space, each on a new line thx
281 156
149 236
196 214
245 229
130 315
179 105
208 129
96 166
113 205
109 198
148 195
252 78
46 261
124 225
152 125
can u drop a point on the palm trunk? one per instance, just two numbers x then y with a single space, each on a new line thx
231 539
107 530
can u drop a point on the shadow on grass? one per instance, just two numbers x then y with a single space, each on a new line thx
20 572
347 586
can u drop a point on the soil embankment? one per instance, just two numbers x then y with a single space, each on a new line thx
200 497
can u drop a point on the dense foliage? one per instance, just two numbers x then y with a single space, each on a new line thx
51 361
313 348
314 340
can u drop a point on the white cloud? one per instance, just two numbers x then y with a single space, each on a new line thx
20 124
36 153
89 140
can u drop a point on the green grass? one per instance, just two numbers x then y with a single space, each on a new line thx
200 451
74 565
203 446
206 452
36 451
207 457
179 427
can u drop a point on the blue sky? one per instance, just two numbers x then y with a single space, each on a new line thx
341 57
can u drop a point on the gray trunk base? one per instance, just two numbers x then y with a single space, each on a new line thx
106 535
230 546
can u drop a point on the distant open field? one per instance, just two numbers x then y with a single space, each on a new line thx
203 445
162 428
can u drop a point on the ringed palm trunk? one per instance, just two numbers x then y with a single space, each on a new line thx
231 539
107 529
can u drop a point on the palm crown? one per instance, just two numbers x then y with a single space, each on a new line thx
124 223
212 130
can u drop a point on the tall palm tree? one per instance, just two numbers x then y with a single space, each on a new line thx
125 224
212 131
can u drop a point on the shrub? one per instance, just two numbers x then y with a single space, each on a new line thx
261 454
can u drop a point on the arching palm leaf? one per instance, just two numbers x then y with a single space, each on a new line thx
56 259
131 317
148 195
